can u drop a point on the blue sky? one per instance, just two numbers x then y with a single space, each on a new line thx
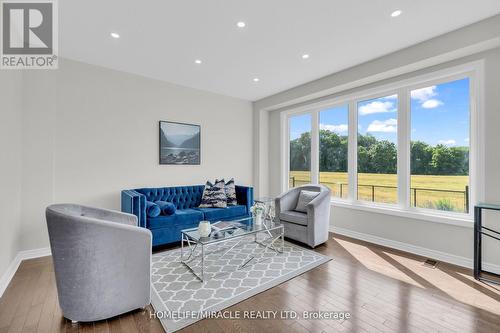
439 114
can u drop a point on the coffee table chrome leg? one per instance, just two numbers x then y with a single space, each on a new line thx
282 240
202 263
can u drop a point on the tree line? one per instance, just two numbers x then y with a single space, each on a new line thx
377 156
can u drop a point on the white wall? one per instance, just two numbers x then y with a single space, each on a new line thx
10 166
454 241
90 132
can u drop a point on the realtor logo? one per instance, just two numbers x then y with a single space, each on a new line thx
29 34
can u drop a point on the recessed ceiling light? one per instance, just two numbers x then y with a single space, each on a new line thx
396 13
197 61
305 56
256 79
241 24
115 35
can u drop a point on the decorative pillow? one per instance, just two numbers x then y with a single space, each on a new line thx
214 195
166 207
230 190
305 197
152 209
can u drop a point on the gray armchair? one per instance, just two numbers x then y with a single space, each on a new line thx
312 227
102 261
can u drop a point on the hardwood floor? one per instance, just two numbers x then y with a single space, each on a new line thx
384 290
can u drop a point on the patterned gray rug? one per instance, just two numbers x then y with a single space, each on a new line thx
180 299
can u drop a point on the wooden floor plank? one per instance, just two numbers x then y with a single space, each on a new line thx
384 290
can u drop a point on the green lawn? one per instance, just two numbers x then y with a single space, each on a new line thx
425 186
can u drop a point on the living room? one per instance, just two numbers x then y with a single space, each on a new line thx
245 166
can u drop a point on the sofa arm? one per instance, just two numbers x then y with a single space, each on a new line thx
110 215
244 196
133 202
318 216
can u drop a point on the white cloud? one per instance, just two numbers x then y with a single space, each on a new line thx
385 126
341 128
431 104
377 107
467 140
449 142
423 94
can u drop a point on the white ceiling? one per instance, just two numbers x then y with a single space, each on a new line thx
161 39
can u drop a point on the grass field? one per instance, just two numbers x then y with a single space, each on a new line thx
430 190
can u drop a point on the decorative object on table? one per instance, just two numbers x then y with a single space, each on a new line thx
480 230
258 210
180 143
312 226
204 228
98 255
268 203
214 195
220 228
230 286
167 229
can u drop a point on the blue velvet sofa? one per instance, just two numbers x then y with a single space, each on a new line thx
167 229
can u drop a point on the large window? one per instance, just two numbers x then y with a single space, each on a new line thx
377 149
404 146
440 146
300 150
333 139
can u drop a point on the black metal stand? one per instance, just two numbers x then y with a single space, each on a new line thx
480 230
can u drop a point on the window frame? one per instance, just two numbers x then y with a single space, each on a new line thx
474 71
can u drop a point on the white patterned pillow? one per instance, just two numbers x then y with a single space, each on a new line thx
214 195
230 190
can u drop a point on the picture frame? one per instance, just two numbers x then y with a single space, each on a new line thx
179 143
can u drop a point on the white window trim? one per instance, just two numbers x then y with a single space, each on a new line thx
472 70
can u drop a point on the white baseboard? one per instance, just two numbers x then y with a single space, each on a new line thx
424 252
14 265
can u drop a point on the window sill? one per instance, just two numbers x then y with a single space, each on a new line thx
453 219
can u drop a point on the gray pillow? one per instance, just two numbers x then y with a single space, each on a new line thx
305 197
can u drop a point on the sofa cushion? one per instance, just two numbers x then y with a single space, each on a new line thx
167 208
230 190
214 195
294 217
152 209
213 214
305 197
181 217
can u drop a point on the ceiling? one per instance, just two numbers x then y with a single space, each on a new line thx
162 39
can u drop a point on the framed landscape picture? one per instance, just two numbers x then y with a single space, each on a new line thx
180 143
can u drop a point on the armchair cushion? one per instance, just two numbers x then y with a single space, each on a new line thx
213 214
305 197
294 217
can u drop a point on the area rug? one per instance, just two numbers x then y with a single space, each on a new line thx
180 299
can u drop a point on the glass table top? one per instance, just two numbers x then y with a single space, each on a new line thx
242 227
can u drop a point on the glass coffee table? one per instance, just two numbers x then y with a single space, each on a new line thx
194 249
